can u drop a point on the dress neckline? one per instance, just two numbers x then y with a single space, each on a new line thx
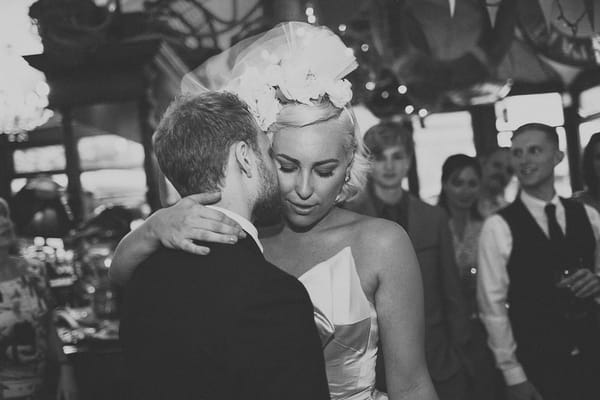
328 261
320 263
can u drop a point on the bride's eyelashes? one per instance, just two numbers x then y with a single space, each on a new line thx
323 169
325 174
288 169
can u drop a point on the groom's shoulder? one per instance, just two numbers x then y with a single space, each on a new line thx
240 266
222 259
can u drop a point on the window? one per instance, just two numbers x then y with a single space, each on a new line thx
109 151
586 130
129 189
19 183
112 168
514 111
40 159
443 134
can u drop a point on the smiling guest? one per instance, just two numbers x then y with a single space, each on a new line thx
539 255
446 326
461 184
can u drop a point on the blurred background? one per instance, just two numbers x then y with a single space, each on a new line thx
84 82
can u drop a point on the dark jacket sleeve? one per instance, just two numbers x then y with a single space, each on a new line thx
276 345
453 297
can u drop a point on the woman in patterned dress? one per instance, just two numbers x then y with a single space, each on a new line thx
27 333
461 182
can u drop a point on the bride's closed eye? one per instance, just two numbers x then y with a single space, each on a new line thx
287 168
325 173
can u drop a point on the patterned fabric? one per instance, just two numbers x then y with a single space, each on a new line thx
23 329
347 323
465 251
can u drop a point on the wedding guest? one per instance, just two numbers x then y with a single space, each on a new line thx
537 281
447 330
496 173
591 173
461 183
28 337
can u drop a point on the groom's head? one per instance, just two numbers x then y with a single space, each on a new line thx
211 142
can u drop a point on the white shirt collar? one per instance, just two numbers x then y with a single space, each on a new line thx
537 209
244 223
533 202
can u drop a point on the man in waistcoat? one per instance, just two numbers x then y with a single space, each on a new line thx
537 285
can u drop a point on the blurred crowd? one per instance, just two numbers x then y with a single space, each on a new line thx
510 288
48 266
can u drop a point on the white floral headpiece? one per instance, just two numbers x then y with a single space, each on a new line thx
293 62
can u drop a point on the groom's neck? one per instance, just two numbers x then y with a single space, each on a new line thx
236 203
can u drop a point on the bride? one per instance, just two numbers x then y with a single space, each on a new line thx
361 272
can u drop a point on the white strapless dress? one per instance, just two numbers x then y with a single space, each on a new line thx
347 324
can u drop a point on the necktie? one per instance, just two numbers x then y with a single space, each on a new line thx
556 234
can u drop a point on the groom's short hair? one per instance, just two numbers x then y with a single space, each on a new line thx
193 139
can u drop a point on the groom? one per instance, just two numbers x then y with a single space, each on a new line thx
228 325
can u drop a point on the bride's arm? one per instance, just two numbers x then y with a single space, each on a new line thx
400 311
177 227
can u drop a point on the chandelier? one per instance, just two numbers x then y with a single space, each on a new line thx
23 94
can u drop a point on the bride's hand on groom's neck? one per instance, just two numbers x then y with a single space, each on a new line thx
181 226
186 223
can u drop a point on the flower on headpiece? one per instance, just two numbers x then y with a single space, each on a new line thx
299 83
339 92
259 95
293 62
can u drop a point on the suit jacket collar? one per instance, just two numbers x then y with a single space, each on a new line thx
246 225
400 212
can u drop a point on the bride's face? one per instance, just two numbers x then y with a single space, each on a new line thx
312 164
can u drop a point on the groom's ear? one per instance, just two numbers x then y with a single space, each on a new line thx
244 157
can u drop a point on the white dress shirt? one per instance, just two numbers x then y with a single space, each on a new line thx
495 246
244 223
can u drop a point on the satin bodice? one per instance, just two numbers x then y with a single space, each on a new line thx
347 324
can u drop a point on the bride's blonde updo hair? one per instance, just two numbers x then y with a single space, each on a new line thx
297 115
291 76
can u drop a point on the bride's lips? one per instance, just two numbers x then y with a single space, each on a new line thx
302 209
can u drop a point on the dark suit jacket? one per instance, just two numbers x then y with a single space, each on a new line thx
446 322
228 325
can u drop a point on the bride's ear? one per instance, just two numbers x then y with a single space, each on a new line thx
349 169
244 157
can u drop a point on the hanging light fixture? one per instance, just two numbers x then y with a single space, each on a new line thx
23 94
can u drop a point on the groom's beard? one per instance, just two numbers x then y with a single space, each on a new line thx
267 210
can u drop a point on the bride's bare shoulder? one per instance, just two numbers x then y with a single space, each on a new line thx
374 234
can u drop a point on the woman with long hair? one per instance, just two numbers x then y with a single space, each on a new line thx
461 183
